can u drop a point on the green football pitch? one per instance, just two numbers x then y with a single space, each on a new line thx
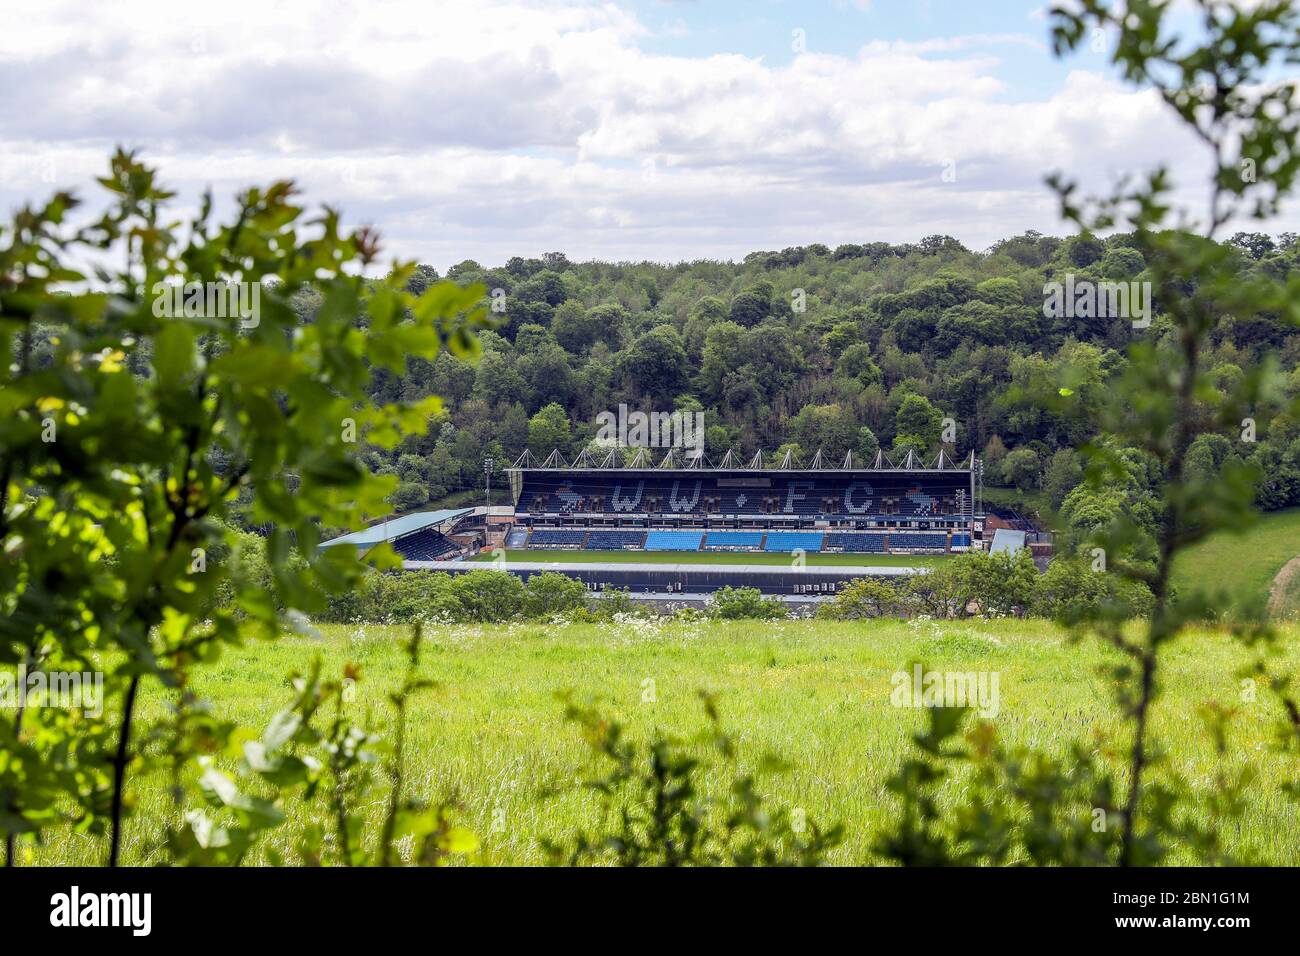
715 557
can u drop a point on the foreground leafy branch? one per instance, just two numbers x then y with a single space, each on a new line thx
305 765
1220 83
657 811
136 417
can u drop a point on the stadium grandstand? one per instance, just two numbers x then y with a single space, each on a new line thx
420 536
695 521
693 505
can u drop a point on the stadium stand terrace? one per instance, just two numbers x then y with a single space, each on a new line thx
690 504
733 541
421 536
616 540
793 541
678 507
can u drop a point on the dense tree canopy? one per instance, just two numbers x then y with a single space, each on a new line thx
854 348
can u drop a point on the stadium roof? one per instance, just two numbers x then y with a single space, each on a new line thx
1004 539
613 460
395 528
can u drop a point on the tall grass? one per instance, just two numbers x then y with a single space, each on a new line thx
816 693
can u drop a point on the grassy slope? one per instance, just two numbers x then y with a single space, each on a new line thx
815 692
1288 598
716 557
1242 566
1028 503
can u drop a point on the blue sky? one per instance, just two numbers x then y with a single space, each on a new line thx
612 129
764 28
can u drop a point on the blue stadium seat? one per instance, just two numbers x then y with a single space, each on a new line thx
793 541
615 540
557 538
673 540
426 545
852 543
733 540
911 541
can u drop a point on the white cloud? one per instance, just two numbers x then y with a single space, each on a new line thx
491 129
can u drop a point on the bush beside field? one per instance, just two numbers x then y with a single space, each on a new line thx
988 585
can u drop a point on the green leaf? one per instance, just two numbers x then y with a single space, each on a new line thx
461 840
281 729
173 353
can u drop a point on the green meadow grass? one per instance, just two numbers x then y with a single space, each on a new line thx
1239 567
492 736
717 557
